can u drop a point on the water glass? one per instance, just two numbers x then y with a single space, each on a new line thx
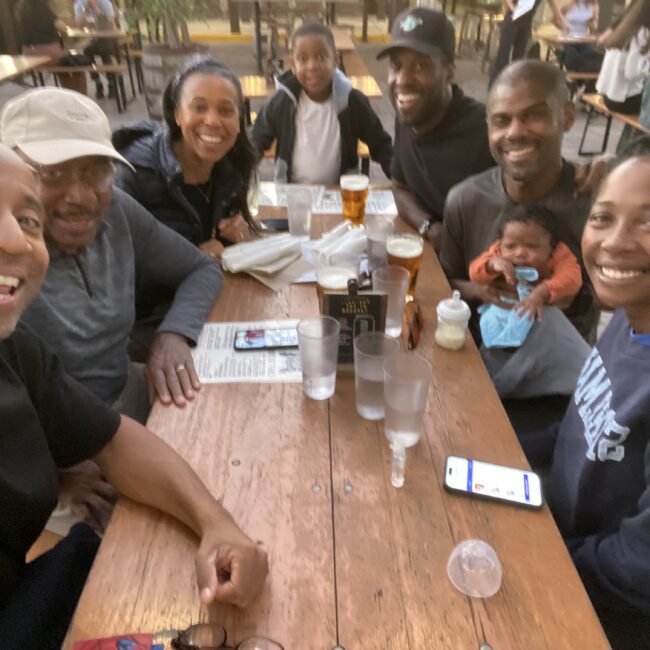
370 352
378 229
318 341
407 378
299 211
393 281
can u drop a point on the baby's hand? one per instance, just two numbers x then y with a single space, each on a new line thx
532 305
502 267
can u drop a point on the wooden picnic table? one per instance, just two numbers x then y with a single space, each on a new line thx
13 66
557 41
353 561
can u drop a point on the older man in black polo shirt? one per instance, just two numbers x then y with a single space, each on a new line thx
440 134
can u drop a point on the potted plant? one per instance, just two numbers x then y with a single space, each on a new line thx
160 60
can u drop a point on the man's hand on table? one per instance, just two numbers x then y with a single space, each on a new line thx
88 494
230 567
171 371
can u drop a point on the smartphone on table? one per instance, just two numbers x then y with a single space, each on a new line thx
266 339
476 478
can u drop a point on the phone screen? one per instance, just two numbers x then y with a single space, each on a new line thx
493 481
266 339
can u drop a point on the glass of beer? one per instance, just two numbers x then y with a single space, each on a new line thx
405 250
332 275
354 192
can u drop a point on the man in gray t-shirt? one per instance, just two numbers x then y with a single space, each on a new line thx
528 111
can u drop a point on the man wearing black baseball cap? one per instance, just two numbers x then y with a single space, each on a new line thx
440 134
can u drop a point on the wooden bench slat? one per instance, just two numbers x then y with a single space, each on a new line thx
596 101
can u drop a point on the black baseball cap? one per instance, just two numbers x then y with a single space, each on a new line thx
424 30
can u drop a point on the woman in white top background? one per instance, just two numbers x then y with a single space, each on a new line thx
580 19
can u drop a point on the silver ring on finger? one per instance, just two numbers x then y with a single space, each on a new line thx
180 367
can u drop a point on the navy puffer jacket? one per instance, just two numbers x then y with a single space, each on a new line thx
157 180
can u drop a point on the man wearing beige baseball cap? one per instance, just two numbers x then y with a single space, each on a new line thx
98 239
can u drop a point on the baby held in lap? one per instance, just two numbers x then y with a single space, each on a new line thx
528 241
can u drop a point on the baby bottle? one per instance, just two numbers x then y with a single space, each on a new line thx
453 316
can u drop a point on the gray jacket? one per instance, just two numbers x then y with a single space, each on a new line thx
85 310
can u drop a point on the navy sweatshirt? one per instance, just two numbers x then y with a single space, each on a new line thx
599 490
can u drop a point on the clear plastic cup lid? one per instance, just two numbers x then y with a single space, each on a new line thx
454 308
474 569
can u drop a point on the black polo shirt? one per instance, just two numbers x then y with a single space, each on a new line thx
430 164
48 421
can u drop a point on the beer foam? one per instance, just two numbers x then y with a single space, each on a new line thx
334 277
403 247
354 182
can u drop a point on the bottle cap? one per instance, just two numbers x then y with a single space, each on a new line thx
454 308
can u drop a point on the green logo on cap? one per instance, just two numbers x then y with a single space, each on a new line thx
409 23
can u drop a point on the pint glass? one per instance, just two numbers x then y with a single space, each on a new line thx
354 192
405 250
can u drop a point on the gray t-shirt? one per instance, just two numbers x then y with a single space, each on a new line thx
474 213
85 310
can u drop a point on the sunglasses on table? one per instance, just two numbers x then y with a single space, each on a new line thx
205 636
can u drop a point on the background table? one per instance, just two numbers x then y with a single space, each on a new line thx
353 560
12 66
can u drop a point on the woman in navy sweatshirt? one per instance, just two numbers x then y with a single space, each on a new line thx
600 478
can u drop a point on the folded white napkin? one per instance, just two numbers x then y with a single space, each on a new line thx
267 255
341 239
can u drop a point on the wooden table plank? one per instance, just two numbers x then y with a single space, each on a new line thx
251 446
392 545
12 66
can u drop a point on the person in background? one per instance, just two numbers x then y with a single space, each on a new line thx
515 32
624 72
99 15
193 173
316 117
440 133
39 30
581 18
598 487
50 421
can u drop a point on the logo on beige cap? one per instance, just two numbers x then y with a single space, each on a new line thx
77 116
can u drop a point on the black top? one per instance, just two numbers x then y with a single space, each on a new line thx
200 197
430 164
48 421
36 23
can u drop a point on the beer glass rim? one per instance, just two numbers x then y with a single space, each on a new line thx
328 327
359 178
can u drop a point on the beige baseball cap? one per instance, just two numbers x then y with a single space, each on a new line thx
53 125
